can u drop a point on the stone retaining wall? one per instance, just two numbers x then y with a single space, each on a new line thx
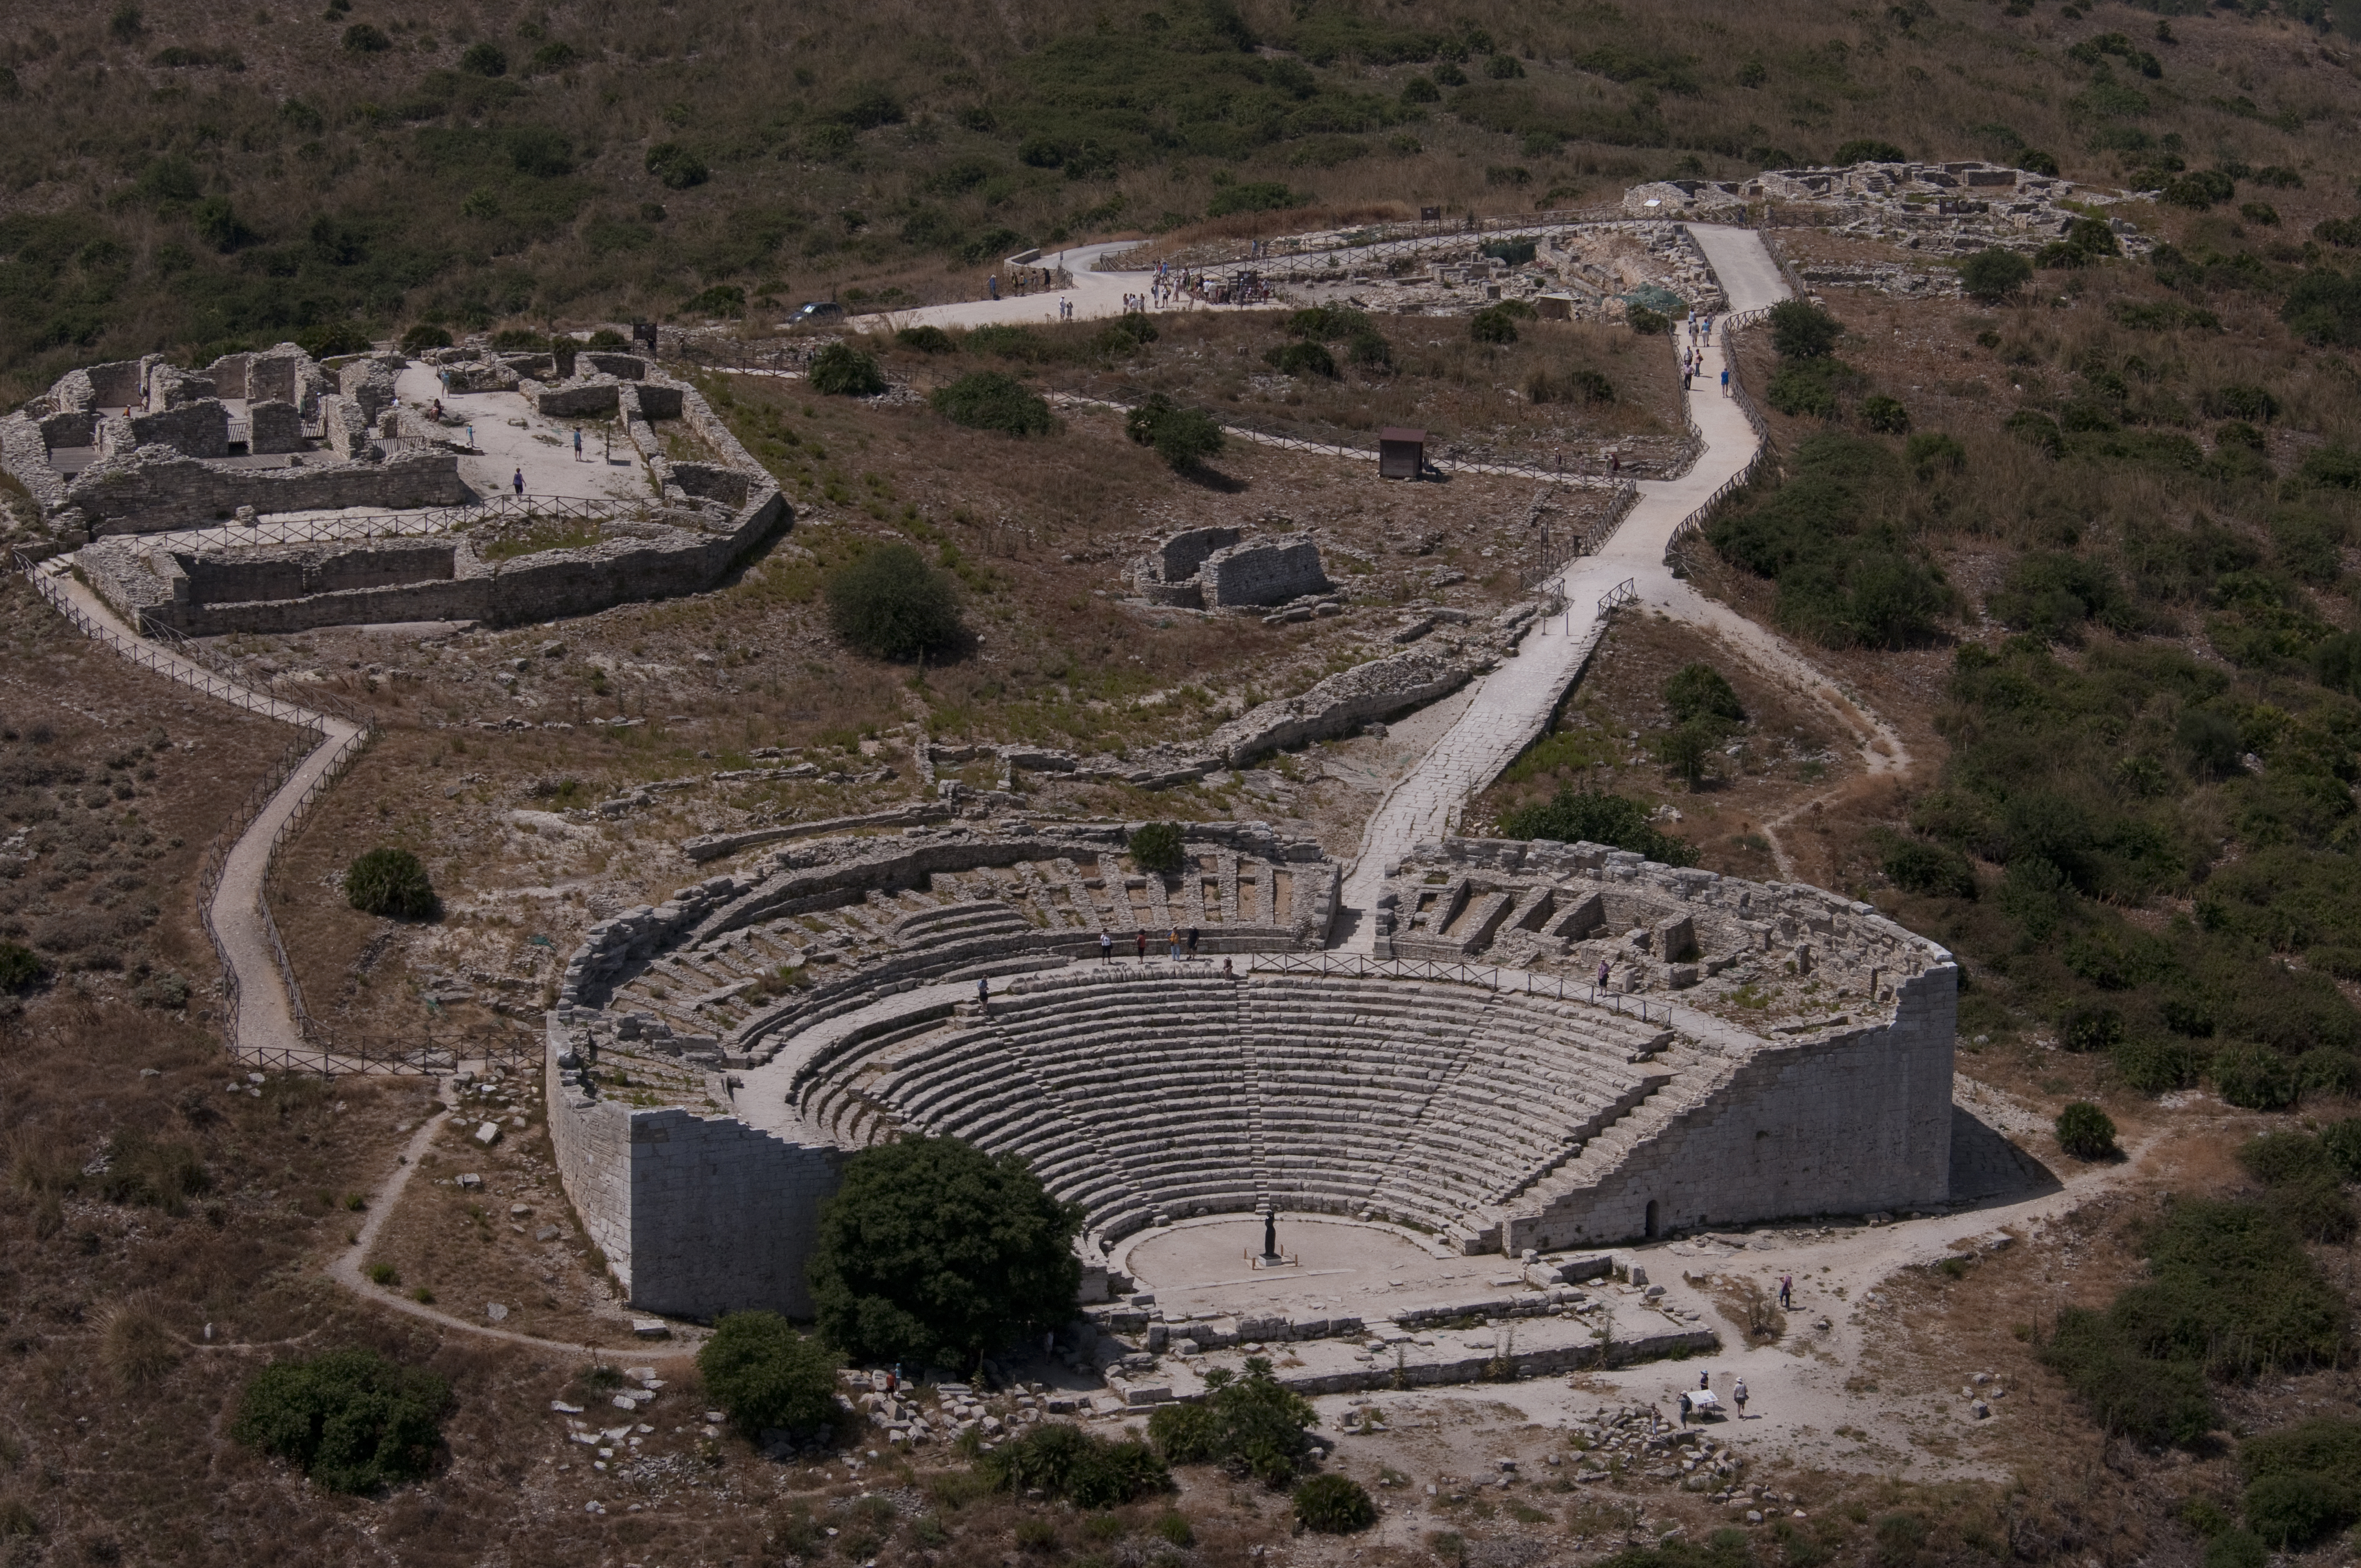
156 488
696 1215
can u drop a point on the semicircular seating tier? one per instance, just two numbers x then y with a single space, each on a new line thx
1552 1045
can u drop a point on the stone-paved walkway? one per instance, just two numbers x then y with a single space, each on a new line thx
1515 701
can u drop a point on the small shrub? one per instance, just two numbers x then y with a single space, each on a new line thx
2087 1029
1251 1425
1157 847
1301 359
2315 1208
136 1348
1333 1504
384 1274
1701 691
1885 415
993 400
1930 452
20 969
888 603
1173 1527
363 39
720 300
484 60
2255 1078
350 1419
1573 816
1254 196
2296 1510
1800 330
2261 213
1868 149
675 167
1805 388
1648 322
2236 1549
2088 241
1494 324
764 1374
840 370
424 337
927 339
390 882
1068 1462
1992 275
1934 869
1183 437
2086 1131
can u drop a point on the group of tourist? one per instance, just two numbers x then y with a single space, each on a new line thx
1177 945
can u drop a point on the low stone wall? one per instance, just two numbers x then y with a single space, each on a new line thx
297 587
155 488
1266 572
1343 703
26 456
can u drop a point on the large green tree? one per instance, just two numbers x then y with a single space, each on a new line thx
935 1250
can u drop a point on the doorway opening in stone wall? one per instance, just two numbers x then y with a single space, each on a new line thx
1652 1219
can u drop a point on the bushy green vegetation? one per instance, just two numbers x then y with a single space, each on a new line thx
392 882
2303 1483
764 1374
2231 1293
1849 575
20 968
993 400
840 370
890 604
1249 1425
350 1421
2086 1131
1333 1504
1157 847
1068 1463
2080 782
1573 816
933 1251
1183 437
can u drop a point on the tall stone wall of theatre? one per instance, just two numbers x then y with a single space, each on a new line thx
592 1142
1854 1124
696 1215
724 1216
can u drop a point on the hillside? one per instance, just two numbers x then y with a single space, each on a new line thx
186 174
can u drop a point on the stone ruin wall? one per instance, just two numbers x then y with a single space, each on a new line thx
726 509
154 490
696 1215
1218 568
1853 1121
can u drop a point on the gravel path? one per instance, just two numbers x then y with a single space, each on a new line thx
267 1030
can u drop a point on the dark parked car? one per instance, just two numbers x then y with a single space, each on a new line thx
816 313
